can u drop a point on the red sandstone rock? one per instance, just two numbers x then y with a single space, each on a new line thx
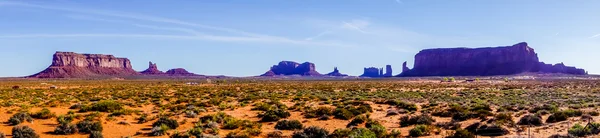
292 68
179 72
74 65
152 70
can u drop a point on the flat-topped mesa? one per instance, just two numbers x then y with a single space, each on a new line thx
152 70
505 60
293 68
561 68
371 72
179 72
74 65
336 73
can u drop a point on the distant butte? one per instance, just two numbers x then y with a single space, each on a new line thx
489 61
292 68
336 73
152 70
74 65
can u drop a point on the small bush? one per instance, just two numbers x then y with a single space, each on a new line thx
65 129
43 114
238 134
318 112
89 126
416 120
96 134
419 130
24 132
180 135
531 120
378 129
159 130
20 117
288 125
579 130
362 133
504 119
311 132
357 121
402 105
461 133
340 133
171 123
274 115
557 117
103 106
341 113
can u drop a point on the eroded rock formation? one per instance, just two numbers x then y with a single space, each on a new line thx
506 60
152 70
336 73
388 71
74 65
293 68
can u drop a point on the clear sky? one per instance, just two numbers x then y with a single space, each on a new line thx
246 37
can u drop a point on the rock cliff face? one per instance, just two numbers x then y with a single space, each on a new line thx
293 68
152 70
405 67
507 60
74 65
336 73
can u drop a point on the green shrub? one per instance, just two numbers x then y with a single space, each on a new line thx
65 119
275 134
65 129
531 120
419 130
357 121
288 125
557 117
311 132
171 123
43 114
416 120
180 135
340 133
461 133
362 133
504 119
96 134
579 130
23 132
159 130
378 129
394 134
402 105
102 106
341 113
318 112
274 115
86 126
20 117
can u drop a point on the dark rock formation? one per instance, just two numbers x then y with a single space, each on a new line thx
293 68
179 72
507 60
560 68
152 70
388 71
74 65
404 67
336 73
371 72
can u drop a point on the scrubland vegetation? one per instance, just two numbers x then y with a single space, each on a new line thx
299 109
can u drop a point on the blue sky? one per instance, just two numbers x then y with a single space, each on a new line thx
246 37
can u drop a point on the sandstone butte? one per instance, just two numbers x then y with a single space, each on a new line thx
292 68
505 60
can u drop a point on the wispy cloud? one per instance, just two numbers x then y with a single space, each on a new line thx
594 36
318 35
190 27
357 25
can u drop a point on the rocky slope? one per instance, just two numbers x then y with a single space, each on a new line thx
506 60
74 65
179 72
292 68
